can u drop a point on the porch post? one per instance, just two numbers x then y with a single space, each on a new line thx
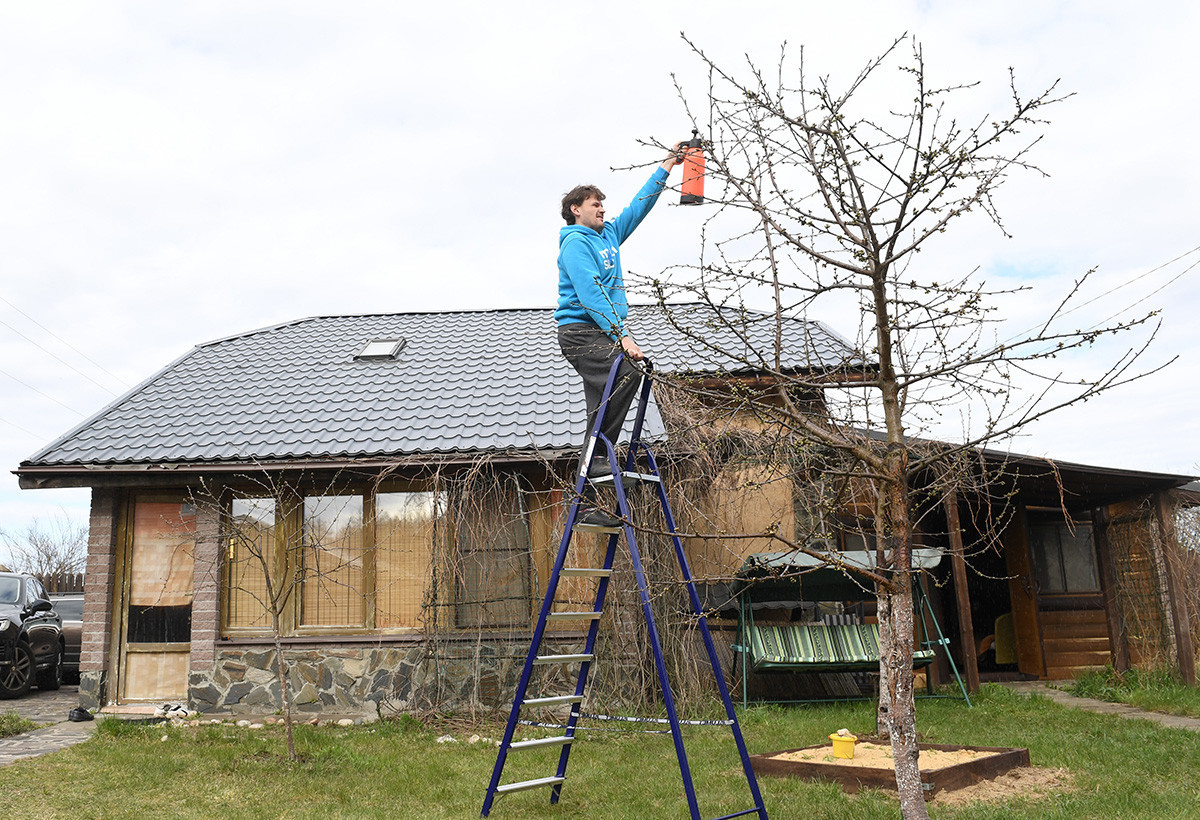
1117 633
1178 613
958 564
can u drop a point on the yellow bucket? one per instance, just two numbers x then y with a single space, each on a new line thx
843 746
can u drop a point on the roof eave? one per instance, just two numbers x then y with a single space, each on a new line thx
57 476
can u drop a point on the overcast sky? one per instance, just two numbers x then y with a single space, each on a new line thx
172 173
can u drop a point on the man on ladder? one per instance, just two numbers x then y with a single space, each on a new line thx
592 309
591 318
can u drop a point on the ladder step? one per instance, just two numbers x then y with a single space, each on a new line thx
596 528
562 740
542 660
593 572
754 810
556 700
628 477
574 616
509 788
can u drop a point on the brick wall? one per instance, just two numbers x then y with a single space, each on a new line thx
206 585
99 584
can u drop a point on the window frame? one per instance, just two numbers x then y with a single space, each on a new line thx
227 547
1055 518
289 548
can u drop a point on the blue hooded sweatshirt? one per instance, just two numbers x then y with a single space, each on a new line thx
591 284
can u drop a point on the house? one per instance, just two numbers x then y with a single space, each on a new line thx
380 496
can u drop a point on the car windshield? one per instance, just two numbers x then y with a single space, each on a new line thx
10 590
69 609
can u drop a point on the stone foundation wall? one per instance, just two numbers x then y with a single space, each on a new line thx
93 689
372 679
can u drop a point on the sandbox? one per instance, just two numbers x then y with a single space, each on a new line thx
943 767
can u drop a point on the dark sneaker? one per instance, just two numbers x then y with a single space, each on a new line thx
597 519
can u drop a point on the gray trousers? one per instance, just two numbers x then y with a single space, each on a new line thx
591 352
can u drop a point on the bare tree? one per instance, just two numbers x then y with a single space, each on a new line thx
48 548
823 198
269 569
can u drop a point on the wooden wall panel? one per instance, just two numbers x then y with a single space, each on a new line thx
1075 641
155 676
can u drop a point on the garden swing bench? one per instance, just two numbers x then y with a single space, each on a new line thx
831 645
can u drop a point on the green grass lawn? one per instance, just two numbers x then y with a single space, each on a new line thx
1121 769
1157 690
13 724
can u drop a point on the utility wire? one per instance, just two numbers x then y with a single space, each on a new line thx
1163 287
39 392
29 433
1118 287
58 358
90 360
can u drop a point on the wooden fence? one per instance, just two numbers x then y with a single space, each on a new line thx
62 582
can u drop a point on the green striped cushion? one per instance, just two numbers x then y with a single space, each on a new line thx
829 645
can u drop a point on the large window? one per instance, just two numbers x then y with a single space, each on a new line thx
249 545
1064 558
405 532
333 561
358 562
493 572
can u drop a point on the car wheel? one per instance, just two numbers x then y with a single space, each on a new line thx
50 678
18 677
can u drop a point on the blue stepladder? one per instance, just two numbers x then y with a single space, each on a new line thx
523 700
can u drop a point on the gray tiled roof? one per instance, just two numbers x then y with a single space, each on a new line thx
465 382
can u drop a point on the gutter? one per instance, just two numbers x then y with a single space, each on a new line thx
34 477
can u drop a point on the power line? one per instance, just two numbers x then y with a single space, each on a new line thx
58 359
92 361
1138 278
29 433
1120 286
1157 290
39 392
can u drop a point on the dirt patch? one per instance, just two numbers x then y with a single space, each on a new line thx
1030 782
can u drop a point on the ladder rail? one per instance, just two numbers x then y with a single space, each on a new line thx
709 646
548 604
660 663
589 647
603 575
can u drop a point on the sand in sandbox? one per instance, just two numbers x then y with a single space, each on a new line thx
879 756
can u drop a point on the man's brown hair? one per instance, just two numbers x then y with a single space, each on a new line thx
577 196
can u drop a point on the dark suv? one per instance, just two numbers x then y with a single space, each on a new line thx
31 643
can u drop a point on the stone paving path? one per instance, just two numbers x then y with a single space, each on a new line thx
44 707
1102 706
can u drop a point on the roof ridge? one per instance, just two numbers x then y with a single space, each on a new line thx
462 311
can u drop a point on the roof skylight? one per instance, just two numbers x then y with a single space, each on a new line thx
381 349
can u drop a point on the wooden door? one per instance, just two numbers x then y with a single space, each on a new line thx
156 606
1022 591
1070 602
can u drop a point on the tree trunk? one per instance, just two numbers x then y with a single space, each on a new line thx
896 716
275 601
897 713
285 695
